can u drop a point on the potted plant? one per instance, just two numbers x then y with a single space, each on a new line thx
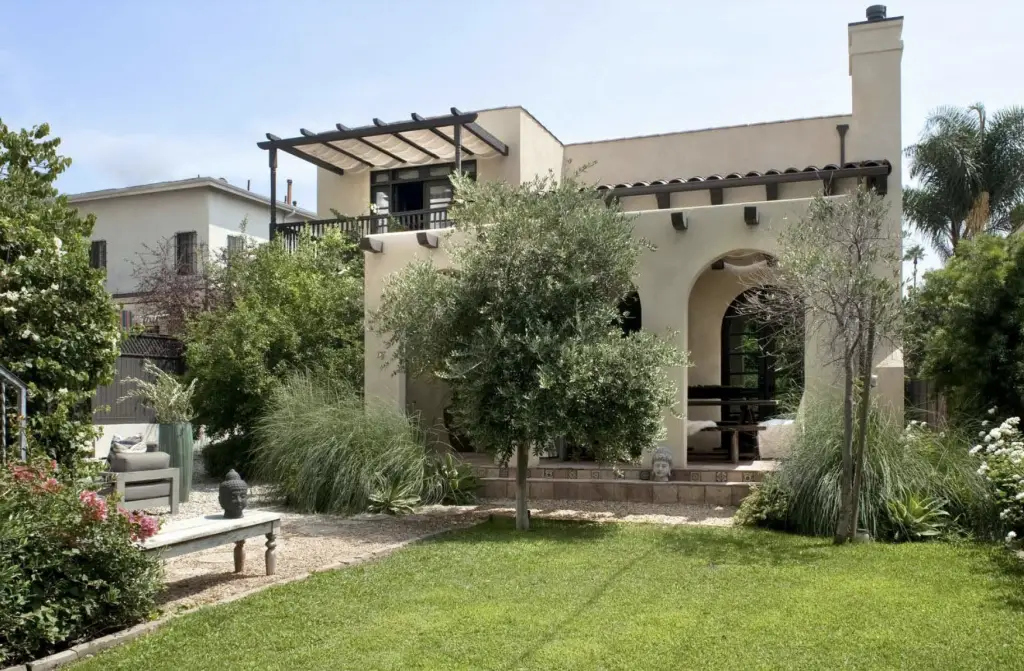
171 402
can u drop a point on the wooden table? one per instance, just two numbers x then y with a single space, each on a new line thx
734 442
182 537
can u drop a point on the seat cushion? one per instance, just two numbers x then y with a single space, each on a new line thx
131 462
147 490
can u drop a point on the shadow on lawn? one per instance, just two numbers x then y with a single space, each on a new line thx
196 584
502 529
1005 570
749 547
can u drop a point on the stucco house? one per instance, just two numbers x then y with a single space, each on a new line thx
200 213
195 216
713 201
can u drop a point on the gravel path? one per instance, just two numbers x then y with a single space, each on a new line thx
308 543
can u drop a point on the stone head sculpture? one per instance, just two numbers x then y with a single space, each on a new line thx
661 465
233 495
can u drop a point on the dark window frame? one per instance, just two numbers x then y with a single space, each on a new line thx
185 256
98 254
383 181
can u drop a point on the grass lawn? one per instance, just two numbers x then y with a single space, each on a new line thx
610 596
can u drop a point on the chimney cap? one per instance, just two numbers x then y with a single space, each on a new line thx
876 12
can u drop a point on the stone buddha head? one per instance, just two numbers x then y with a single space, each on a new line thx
233 495
661 465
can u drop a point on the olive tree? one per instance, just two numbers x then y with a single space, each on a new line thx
526 329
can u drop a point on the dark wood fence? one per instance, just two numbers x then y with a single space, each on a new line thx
923 402
165 353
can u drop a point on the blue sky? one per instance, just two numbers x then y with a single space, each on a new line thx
147 91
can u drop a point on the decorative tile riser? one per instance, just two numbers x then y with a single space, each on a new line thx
635 491
607 474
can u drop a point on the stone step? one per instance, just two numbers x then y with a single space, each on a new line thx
634 491
712 473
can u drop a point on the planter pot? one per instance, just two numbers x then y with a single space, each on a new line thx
176 440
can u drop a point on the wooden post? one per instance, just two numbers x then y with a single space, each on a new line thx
458 148
271 555
273 191
240 557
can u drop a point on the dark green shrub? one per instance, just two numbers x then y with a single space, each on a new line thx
70 569
767 505
234 452
325 452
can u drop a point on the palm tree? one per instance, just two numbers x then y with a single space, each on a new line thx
914 254
970 171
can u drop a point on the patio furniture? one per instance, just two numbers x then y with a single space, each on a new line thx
734 431
201 533
143 480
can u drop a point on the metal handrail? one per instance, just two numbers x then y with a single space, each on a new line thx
9 378
370 224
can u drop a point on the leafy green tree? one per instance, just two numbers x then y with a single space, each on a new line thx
526 329
966 326
279 311
971 175
59 329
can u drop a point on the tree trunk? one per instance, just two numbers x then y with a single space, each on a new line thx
522 510
863 418
844 531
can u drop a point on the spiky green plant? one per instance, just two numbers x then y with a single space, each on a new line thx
393 497
325 452
170 400
900 464
916 518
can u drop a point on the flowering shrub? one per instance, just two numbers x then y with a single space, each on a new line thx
70 566
1002 464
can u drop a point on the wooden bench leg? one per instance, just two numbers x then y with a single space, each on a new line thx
271 555
734 447
239 556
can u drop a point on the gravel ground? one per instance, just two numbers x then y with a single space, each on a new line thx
309 543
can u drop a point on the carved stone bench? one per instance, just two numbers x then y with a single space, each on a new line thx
182 537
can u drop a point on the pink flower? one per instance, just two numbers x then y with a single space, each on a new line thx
142 526
95 506
51 485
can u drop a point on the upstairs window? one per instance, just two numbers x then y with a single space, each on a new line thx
185 252
98 254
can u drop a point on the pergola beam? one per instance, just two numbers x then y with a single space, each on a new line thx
483 135
309 133
371 145
437 132
320 163
367 131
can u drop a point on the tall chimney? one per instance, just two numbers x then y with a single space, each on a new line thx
876 12
288 197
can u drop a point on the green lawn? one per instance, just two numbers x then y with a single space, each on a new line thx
573 596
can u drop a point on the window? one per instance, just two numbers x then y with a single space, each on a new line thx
98 254
235 243
414 189
185 252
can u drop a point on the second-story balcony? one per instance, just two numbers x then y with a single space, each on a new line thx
415 220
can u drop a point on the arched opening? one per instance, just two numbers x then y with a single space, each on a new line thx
748 357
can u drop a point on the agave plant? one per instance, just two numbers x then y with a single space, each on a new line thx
394 496
170 400
451 482
916 518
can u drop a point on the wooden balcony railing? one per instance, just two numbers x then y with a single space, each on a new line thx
415 220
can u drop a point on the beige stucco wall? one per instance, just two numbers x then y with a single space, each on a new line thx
679 301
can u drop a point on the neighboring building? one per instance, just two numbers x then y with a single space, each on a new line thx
189 216
202 213
713 202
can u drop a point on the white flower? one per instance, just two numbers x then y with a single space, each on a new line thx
1010 536
981 434
975 449
57 243
8 309
984 422
991 411
26 334
62 391
1020 496
54 287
